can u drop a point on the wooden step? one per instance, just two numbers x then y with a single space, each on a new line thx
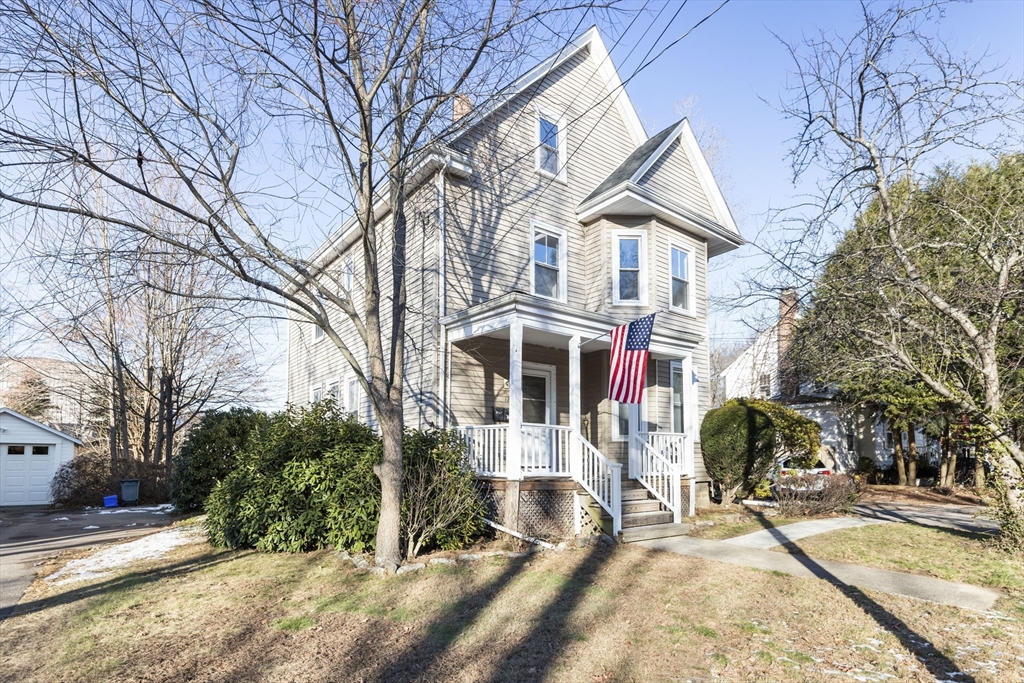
645 505
634 494
646 518
653 531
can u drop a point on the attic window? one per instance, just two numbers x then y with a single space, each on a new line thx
550 145
765 384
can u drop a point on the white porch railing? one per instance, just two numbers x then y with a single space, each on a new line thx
486 448
545 449
674 447
660 477
602 479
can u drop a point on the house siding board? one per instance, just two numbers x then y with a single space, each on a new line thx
493 209
672 176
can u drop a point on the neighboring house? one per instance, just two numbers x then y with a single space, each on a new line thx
847 433
61 392
30 454
549 220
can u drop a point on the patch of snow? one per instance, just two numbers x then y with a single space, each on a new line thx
61 519
90 527
155 509
105 561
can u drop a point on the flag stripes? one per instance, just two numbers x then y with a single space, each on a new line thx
630 351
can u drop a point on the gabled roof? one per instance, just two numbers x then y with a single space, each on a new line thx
589 40
14 413
623 193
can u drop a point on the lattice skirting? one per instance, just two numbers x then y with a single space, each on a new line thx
545 512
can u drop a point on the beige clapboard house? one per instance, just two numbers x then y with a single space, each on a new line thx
550 219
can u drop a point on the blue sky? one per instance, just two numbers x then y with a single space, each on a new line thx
732 62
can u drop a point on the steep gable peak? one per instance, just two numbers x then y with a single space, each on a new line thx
589 42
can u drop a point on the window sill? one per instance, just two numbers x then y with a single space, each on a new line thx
629 304
560 177
560 300
682 311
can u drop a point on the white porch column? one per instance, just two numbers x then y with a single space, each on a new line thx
575 409
634 427
515 400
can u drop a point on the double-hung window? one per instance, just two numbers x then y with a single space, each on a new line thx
629 267
316 394
318 333
352 395
681 279
348 276
550 158
334 393
547 270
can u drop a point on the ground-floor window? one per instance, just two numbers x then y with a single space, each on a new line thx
678 397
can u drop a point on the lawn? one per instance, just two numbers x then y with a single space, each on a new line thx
588 615
943 553
751 520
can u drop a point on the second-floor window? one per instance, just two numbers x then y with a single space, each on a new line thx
318 333
629 272
681 287
550 144
548 267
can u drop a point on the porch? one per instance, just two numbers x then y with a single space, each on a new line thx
528 393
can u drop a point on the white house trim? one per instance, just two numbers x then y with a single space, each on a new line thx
40 425
644 274
561 174
707 179
691 270
563 259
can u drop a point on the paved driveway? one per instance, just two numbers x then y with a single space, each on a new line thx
30 535
960 517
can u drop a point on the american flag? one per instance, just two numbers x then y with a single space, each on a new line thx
630 345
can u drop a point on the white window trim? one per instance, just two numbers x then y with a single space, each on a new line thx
313 389
549 372
335 381
616 408
691 301
318 334
562 159
349 379
348 275
644 273
674 365
563 253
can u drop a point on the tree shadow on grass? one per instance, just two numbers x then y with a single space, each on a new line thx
118 583
939 665
539 650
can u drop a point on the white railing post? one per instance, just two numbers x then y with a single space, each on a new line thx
634 430
514 440
693 496
677 493
616 496
575 409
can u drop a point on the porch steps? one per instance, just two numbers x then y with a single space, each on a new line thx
643 516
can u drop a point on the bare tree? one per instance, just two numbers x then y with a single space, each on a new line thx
260 117
877 113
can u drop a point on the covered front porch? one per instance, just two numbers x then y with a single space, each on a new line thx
528 390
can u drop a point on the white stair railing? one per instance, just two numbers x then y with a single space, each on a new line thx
486 448
602 479
674 447
660 476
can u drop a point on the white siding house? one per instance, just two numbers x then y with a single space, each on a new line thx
30 454
547 220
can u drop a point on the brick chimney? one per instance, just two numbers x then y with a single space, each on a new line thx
461 107
789 383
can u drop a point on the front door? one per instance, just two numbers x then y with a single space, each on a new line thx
538 410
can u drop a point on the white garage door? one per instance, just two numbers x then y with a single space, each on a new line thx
25 473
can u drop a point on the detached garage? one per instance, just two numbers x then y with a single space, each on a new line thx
30 453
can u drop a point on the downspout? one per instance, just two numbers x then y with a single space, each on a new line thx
442 380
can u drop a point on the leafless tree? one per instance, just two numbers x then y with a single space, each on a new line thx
252 120
877 113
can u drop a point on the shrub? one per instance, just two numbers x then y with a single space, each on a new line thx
797 437
82 481
304 482
738 443
442 506
812 494
209 454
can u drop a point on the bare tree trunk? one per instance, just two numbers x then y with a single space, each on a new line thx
912 455
388 547
897 456
979 470
951 469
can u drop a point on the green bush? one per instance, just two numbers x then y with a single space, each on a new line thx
797 437
738 443
306 481
209 454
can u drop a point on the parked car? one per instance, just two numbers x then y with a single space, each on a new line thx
792 478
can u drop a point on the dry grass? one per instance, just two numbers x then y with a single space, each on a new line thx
943 553
752 521
879 493
597 614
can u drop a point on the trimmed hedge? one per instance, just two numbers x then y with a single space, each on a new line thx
738 443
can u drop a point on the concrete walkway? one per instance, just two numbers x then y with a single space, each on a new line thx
967 518
842 575
787 533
